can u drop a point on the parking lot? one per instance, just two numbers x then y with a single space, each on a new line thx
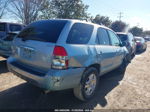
116 91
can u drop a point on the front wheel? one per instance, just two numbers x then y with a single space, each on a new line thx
88 86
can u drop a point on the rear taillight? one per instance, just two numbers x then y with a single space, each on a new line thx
60 58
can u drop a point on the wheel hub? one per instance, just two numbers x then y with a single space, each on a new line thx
90 84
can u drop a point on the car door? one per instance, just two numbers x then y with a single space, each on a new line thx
105 52
115 42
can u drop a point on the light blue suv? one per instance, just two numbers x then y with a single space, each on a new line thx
64 54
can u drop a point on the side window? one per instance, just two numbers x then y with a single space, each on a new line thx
114 39
14 27
80 33
102 37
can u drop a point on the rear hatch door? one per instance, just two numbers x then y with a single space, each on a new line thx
35 44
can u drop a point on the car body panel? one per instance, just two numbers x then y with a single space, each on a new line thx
51 80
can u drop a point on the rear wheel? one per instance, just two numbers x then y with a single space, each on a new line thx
88 86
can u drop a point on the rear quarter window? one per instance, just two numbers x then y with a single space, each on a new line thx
80 33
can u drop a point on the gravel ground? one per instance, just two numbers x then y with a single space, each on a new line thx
116 91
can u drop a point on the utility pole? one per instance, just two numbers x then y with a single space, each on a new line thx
138 24
120 16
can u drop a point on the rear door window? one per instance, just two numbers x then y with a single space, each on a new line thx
13 27
2 27
80 33
47 31
102 37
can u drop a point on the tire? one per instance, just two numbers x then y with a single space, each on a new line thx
129 58
81 92
123 66
133 55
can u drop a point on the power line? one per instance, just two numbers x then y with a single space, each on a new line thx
120 16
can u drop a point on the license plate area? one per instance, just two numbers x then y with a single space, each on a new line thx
27 52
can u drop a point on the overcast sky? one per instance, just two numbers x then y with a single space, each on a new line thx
135 12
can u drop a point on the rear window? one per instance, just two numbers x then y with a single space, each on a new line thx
13 27
48 31
123 37
2 26
80 33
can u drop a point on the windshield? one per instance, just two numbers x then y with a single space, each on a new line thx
48 31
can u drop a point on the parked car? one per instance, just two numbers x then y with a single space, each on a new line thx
129 39
6 28
64 54
6 43
147 38
141 44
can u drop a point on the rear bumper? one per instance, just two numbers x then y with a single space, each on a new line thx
51 80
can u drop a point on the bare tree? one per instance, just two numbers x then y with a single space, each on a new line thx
3 5
26 11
